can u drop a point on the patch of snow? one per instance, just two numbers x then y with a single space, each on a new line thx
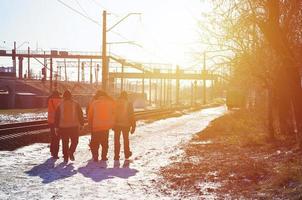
29 173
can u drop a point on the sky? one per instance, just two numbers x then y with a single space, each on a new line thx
166 30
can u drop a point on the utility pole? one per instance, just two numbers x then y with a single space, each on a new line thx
105 66
104 53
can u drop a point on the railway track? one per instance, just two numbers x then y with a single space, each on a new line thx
9 131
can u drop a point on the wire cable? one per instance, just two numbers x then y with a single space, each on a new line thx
79 13
81 7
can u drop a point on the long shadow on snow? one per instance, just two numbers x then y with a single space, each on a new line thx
99 171
49 172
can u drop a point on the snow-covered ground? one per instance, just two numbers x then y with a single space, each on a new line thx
22 117
29 173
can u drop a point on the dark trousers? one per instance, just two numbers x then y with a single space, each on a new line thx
117 144
99 138
54 141
72 135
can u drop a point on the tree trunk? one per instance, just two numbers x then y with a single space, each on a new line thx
292 80
296 96
270 103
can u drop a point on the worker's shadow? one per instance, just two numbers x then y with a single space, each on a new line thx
99 171
50 172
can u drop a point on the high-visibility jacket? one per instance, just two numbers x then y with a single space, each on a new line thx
53 104
125 115
101 114
69 115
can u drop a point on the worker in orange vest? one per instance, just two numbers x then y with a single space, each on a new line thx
124 123
53 102
100 121
69 120
89 103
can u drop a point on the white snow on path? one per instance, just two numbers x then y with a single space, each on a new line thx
29 173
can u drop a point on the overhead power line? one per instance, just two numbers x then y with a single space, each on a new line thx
89 18
79 13
81 7
97 23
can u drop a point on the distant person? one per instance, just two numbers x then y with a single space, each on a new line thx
100 121
124 123
69 120
53 102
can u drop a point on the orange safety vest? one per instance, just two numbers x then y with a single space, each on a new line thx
68 114
101 114
122 118
53 104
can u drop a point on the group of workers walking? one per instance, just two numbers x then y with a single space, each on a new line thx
65 119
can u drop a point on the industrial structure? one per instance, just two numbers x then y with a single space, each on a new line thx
163 83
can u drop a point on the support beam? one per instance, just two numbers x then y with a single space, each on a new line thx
90 74
156 92
192 94
28 64
143 86
97 74
177 86
165 91
14 58
182 76
83 72
195 92
161 92
79 67
20 67
204 85
60 73
65 70
50 76
150 91
122 77
45 67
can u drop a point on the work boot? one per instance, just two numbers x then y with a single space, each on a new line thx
104 159
71 156
128 155
95 159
